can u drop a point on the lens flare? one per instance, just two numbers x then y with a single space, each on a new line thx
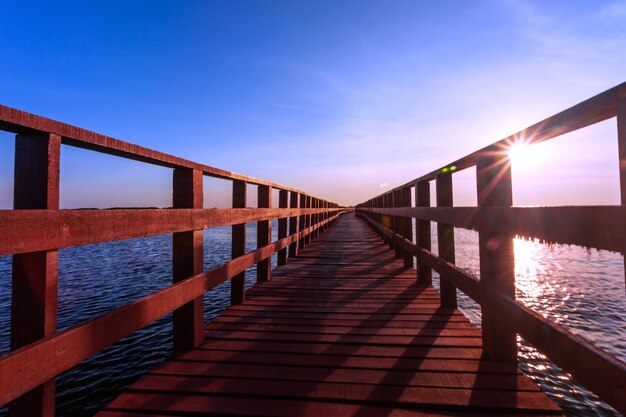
524 156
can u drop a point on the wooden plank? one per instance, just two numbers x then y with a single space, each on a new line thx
423 398
264 233
18 121
497 262
293 223
30 366
396 348
621 158
280 372
445 239
129 405
21 230
459 278
238 243
308 218
188 260
335 361
602 227
347 350
302 221
35 274
283 195
423 238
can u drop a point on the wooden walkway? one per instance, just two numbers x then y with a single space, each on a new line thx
341 330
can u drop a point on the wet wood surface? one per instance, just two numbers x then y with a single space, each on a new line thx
344 329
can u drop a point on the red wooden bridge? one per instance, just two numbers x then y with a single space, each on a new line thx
345 326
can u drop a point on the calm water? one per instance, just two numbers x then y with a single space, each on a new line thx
580 289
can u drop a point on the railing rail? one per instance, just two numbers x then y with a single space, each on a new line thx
36 228
497 223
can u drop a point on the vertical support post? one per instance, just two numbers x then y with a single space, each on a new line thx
308 219
282 226
397 221
445 239
264 234
621 151
390 219
293 223
497 262
407 224
34 297
238 283
188 260
621 147
327 214
422 199
313 217
318 216
302 223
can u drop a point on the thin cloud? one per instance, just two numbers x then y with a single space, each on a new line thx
614 11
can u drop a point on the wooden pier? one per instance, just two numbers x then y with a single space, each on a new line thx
347 325
342 330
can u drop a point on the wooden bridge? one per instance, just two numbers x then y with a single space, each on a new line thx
345 326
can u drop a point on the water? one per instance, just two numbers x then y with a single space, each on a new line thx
94 279
581 289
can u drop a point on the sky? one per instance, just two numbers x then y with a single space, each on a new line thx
343 99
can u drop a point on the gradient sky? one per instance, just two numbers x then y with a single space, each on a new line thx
339 98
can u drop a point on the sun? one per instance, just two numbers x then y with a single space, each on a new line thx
524 156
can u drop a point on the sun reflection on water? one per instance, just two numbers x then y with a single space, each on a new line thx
535 278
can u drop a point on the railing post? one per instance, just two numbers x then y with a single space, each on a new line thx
264 234
407 224
314 217
445 239
390 219
396 199
497 262
308 218
621 151
302 222
422 199
34 295
188 260
293 223
621 147
283 195
238 283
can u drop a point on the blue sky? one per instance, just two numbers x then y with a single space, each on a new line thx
338 98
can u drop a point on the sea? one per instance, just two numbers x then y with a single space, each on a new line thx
581 289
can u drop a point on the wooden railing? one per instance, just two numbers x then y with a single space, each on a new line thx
497 223
36 229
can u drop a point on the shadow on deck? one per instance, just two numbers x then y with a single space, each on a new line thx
344 329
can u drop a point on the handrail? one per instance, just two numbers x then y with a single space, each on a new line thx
18 121
497 223
35 229
594 110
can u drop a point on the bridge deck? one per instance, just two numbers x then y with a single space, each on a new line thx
343 330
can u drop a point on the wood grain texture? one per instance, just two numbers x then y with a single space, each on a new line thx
35 230
328 331
283 197
35 274
601 227
18 121
596 369
187 260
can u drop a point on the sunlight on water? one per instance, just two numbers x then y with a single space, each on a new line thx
581 289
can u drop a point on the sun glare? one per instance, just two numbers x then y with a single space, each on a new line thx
524 156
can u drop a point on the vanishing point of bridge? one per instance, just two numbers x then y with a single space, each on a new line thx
345 326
